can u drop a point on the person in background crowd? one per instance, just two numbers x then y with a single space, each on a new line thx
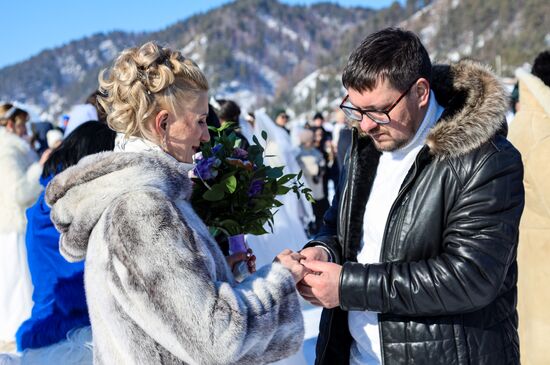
341 137
312 164
323 141
58 296
281 120
530 133
19 188
251 119
339 124
212 120
229 111
317 121
416 262
89 111
39 130
158 287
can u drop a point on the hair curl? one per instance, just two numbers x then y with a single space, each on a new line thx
143 81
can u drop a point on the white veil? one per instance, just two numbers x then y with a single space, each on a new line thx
292 217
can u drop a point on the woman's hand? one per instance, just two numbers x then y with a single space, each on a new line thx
291 260
247 256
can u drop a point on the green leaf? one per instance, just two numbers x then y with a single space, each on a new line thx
230 184
264 135
215 194
225 125
285 179
255 140
282 190
257 229
275 172
231 226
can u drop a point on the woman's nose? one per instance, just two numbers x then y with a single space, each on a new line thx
205 136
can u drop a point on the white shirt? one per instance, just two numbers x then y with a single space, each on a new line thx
391 171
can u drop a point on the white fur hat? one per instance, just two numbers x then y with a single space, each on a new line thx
53 136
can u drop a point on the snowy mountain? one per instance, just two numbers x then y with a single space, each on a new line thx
266 53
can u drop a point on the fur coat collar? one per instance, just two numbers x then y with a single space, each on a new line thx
97 180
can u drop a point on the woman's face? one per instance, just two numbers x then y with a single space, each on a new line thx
186 129
20 129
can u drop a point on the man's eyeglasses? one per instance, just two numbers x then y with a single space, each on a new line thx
377 116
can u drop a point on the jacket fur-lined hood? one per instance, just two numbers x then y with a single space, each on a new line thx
475 105
79 195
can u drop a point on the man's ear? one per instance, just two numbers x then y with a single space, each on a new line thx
422 89
161 123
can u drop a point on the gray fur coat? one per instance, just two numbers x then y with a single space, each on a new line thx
158 287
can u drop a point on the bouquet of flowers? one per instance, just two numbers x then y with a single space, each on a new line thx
234 191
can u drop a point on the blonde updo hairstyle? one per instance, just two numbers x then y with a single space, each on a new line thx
142 82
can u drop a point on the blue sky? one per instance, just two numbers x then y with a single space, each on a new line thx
30 26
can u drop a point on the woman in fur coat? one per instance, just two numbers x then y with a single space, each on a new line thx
20 187
159 290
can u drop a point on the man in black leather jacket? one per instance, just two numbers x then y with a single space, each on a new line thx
439 273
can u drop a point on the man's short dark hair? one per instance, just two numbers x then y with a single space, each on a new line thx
541 67
391 54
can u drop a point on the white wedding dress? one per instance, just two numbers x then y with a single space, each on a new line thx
291 218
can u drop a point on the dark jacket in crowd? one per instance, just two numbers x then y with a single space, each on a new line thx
445 287
39 132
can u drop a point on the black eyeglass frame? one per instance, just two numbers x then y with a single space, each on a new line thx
348 110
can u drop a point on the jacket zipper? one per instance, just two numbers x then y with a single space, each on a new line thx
399 196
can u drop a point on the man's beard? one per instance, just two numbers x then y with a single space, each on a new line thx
395 145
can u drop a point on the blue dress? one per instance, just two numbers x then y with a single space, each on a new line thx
59 298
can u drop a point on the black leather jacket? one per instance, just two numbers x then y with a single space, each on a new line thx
445 287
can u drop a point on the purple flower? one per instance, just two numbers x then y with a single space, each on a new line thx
197 157
216 148
205 168
255 188
240 153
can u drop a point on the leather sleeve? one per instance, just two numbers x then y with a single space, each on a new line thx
479 245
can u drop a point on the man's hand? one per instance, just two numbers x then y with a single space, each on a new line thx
291 260
315 254
321 286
